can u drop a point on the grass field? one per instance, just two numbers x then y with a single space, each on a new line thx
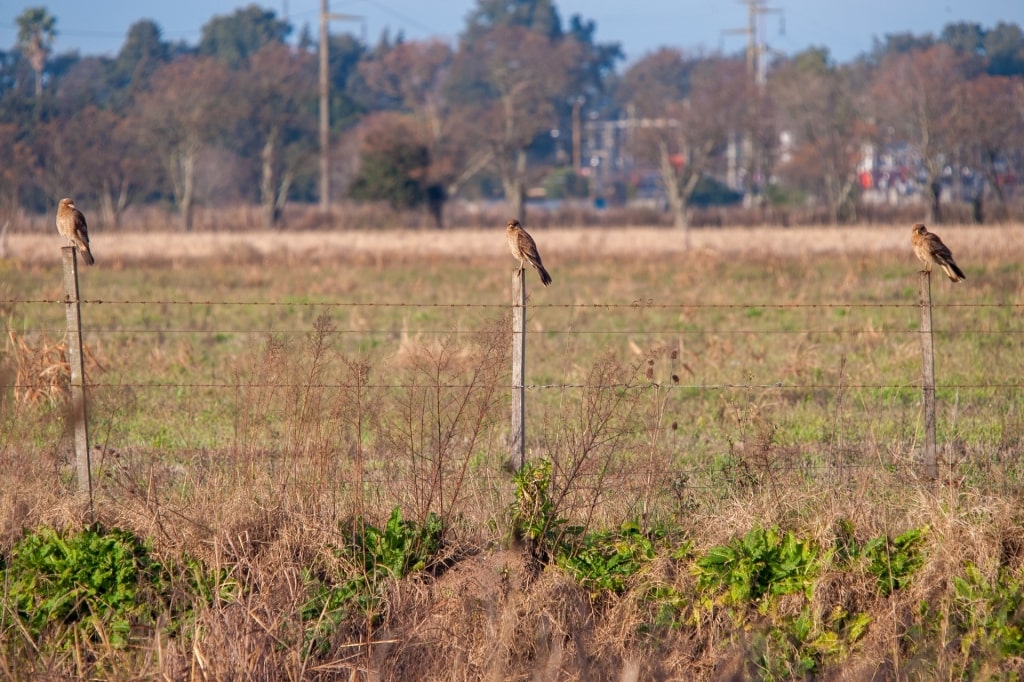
261 403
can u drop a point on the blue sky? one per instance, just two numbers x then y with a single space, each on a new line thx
846 27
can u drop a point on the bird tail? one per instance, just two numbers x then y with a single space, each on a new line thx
953 271
87 256
545 278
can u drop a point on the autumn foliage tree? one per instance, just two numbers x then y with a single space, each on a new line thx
413 76
187 105
816 100
689 109
276 90
990 126
514 75
915 94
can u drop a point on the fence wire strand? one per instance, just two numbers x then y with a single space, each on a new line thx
635 305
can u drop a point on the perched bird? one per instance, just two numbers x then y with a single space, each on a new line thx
930 249
525 250
71 224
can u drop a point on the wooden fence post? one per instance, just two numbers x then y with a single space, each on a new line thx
518 437
931 469
77 412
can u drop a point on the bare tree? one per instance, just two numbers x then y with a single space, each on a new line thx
188 102
516 73
689 110
818 109
276 87
915 94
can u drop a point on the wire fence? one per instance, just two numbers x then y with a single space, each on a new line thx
716 391
156 329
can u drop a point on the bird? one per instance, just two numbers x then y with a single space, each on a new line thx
71 224
522 246
930 249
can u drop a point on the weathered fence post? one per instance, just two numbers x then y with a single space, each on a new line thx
518 437
77 412
931 469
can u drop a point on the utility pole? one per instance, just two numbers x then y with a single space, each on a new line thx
325 111
577 104
757 75
757 66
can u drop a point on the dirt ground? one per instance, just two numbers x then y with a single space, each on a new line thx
554 243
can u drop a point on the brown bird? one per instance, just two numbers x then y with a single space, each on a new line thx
525 250
71 224
930 249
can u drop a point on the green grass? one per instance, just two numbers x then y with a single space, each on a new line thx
722 335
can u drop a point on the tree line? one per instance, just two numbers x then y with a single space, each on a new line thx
522 100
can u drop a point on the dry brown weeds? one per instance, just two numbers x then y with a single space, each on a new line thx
563 243
317 444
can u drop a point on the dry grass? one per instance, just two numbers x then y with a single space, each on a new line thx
557 243
338 416
41 370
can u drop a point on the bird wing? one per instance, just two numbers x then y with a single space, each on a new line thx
939 250
527 246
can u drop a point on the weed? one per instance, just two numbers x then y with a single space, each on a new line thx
604 561
442 415
764 562
99 582
988 614
376 555
532 515
894 561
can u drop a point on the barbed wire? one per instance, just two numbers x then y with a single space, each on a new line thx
635 305
779 385
588 482
541 332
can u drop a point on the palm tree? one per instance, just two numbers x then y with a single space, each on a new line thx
35 39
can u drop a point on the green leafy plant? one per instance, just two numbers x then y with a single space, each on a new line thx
766 563
533 516
989 614
100 579
533 512
763 562
604 561
796 646
894 561
400 548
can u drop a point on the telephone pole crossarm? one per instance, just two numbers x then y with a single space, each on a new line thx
325 110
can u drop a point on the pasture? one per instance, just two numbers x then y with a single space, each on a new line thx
258 401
